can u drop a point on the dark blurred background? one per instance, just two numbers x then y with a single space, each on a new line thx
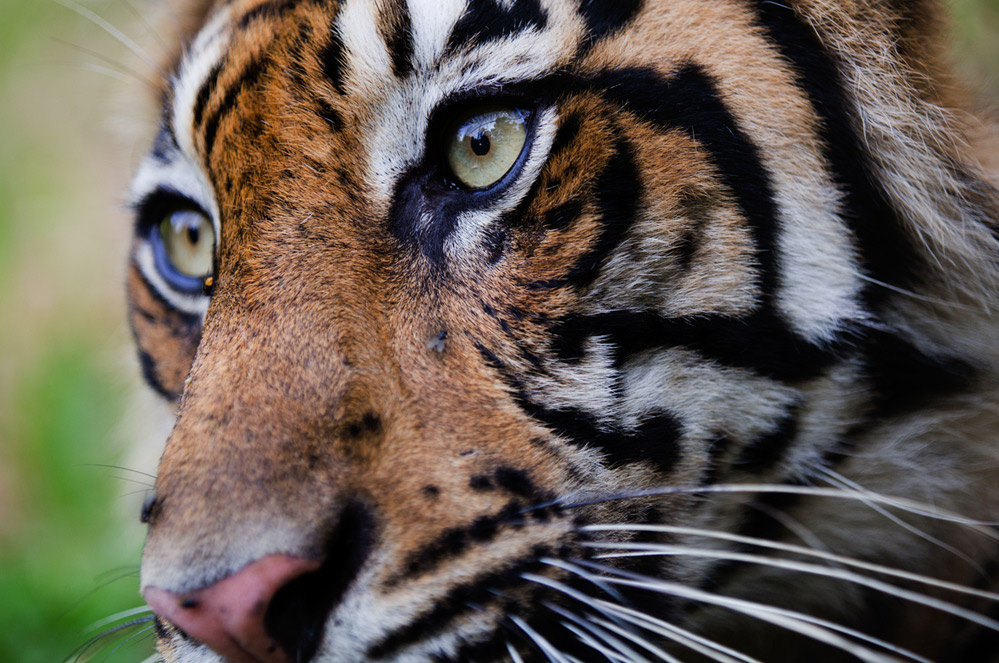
75 115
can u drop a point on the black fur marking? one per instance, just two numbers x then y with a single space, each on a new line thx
333 60
562 216
487 20
759 342
246 80
273 9
370 424
459 601
906 379
455 541
432 492
654 440
516 481
296 616
148 365
765 452
149 510
605 17
689 100
889 254
480 483
568 131
165 145
618 196
206 91
399 40
331 115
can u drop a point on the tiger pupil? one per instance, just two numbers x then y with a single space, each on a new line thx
480 144
193 235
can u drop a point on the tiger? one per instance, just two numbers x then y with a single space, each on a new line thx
569 331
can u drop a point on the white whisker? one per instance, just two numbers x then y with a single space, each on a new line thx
122 38
697 644
784 547
553 654
684 637
125 614
901 503
813 627
514 655
617 651
812 569
864 496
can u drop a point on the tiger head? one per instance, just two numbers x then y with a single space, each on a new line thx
570 331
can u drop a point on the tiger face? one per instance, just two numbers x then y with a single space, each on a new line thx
544 330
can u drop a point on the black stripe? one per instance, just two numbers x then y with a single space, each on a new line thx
759 342
618 194
888 251
605 17
765 452
165 145
206 91
906 379
246 80
689 100
488 20
333 60
459 601
456 541
655 440
273 9
148 365
398 37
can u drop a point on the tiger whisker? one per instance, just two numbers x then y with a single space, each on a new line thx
121 72
813 627
692 641
514 654
784 547
551 652
649 622
124 614
589 633
840 481
588 601
594 644
80 651
138 633
120 36
901 503
811 569
145 24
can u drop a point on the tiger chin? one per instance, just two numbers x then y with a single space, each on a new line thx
574 331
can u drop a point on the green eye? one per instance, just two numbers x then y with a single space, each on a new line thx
189 242
485 143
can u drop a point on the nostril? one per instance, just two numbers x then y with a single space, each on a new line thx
228 616
298 612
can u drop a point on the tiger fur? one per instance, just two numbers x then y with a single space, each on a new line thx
711 373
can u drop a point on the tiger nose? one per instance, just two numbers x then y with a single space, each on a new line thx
229 616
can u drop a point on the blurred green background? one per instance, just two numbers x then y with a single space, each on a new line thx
74 117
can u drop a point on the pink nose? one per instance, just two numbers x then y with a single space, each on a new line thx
229 616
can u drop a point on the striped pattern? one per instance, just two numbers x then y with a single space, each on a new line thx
738 249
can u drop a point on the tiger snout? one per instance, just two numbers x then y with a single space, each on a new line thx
273 537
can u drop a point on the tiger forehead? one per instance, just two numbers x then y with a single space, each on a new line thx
365 51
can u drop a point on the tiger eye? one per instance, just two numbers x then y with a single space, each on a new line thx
189 241
485 143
